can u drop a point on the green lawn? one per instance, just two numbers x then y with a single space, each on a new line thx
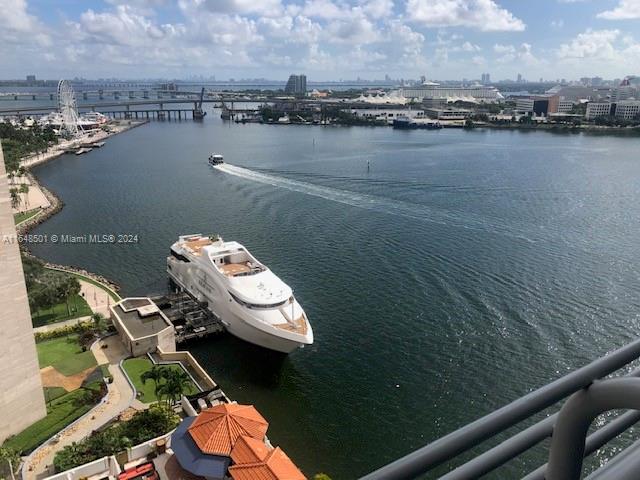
135 367
51 393
65 355
60 413
22 216
58 313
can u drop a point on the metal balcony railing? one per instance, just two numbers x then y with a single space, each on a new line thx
589 397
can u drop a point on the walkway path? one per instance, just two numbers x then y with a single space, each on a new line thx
97 298
31 200
120 396
57 325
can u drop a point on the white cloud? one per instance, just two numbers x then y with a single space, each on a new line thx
590 44
523 54
595 50
325 9
626 10
485 15
503 49
377 8
258 7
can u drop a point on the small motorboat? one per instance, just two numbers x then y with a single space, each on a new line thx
216 159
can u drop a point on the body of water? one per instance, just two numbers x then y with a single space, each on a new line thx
445 273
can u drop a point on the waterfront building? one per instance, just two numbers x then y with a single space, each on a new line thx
142 326
533 105
448 113
473 94
296 85
627 109
377 98
385 114
558 104
598 109
254 459
434 102
575 93
21 394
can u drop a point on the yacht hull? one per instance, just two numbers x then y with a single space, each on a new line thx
236 325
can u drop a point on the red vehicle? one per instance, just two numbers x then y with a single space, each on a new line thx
146 471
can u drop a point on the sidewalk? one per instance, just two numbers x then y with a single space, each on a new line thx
97 298
120 396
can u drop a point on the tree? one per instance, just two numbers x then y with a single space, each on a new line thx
177 382
24 188
321 476
69 287
15 198
9 462
98 321
156 374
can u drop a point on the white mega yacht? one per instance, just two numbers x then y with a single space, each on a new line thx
251 301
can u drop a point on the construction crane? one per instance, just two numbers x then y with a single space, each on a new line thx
198 112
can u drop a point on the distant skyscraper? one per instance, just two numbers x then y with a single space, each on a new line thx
486 79
31 78
519 78
21 394
296 85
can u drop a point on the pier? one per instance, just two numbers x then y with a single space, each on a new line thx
159 113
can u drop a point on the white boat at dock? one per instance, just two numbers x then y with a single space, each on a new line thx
250 300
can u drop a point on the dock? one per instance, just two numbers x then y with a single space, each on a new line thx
191 319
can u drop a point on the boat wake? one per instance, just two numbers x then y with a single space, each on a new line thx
377 203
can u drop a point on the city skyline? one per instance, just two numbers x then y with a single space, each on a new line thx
326 39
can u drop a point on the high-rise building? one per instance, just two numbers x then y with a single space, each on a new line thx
31 78
21 394
297 85
485 79
519 78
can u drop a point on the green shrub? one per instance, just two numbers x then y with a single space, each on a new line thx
64 331
143 426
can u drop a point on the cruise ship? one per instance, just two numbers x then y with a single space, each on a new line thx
251 301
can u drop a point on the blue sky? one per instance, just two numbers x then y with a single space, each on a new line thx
326 39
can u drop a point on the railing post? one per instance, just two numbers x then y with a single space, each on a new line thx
575 417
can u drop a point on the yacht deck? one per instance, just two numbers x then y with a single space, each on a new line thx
231 269
196 245
299 325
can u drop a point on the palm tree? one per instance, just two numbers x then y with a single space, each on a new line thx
177 383
156 374
98 321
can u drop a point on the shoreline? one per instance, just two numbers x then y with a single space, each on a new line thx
60 148
56 204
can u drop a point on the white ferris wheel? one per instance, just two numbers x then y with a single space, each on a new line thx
68 108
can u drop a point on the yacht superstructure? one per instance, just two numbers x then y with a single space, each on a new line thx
252 302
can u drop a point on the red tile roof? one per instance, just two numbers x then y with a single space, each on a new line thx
254 460
217 429
249 450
